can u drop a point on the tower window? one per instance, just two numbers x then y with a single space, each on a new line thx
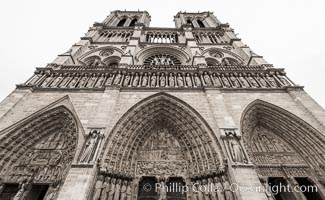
133 22
121 23
189 22
200 23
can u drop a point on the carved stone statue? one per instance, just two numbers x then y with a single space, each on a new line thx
284 81
206 192
162 80
106 186
123 190
117 190
90 147
135 80
63 83
153 80
207 79
220 189
227 189
111 189
199 191
117 78
225 81
262 81
194 190
252 81
91 81
129 192
271 81
126 80
144 80
197 80
243 81
162 193
56 81
171 80
109 80
234 81
212 193
235 149
188 80
21 192
47 81
98 188
83 81
180 81
100 81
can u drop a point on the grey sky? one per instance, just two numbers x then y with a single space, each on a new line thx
289 34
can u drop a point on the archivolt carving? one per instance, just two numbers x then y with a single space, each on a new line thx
183 138
275 137
40 150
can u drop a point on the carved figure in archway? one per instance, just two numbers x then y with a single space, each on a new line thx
123 190
171 80
22 190
129 191
220 189
105 191
98 188
188 80
111 189
153 80
135 80
207 79
117 78
180 81
144 80
162 80
227 189
117 190
236 150
197 80
88 152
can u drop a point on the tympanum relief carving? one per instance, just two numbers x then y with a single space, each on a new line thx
161 154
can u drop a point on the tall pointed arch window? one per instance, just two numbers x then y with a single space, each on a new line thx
200 23
189 22
121 22
133 22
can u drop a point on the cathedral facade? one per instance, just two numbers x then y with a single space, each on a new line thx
133 112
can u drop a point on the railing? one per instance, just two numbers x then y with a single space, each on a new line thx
209 37
162 67
161 37
114 36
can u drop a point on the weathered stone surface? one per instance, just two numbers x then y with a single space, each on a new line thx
130 106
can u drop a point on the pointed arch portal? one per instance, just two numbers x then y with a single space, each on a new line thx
284 149
159 139
37 154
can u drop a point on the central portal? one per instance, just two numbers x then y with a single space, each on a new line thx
161 165
159 146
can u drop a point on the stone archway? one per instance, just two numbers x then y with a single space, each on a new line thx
37 154
283 147
161 139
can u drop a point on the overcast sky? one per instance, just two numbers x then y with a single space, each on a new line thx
289 34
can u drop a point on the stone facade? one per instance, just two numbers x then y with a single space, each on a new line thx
131 108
